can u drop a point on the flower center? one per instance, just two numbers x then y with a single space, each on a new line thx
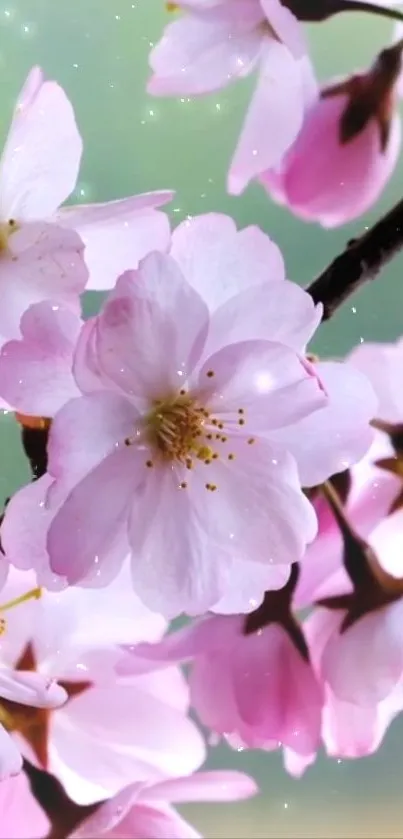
175 429
179 429
6 229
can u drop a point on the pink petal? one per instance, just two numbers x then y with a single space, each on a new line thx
277 101
387 541
267 382
249 581
381 364
165 523
30 88
203 786
118 234
109 815
258 512
36 372
150 304
160 822
196 638
349 730
22 817
87 430
204 52
41 158
277 693
85 363
91 521
219 261
29 688
341 436
24 529
280 312
366 680
287 27
109 735
10 759
45 263
296 764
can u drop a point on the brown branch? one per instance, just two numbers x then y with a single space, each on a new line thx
64 815
361 261
315 11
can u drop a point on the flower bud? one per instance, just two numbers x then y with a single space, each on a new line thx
347 148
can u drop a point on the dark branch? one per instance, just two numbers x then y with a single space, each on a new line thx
64 815
34 441
315 11
361 261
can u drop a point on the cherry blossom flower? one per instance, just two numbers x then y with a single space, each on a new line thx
111 730
349 731
361 579
190 431
257 689
355 129
38 172
144 809
21 815
215 43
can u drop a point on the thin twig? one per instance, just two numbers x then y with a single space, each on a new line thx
360 262
315 11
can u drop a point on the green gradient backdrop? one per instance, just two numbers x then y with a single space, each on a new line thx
98 49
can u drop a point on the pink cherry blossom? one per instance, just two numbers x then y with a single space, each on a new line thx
374 510
356 149
366 679
38 171
36 370
213 44
257 689
111 730
349 731
142 810
230 385
21 815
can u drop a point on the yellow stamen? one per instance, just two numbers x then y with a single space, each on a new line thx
6 229
33 594
172 7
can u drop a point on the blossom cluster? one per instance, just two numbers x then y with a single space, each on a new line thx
191 457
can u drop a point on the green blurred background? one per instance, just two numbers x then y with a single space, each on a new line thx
97 49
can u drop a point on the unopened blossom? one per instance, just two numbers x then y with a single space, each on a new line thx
201 416
212 44
38 172
255 688
36 369
142 810
21 815
347 148
111 729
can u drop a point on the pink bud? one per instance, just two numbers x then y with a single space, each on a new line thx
346 150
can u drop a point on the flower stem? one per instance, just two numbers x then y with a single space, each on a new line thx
361 261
